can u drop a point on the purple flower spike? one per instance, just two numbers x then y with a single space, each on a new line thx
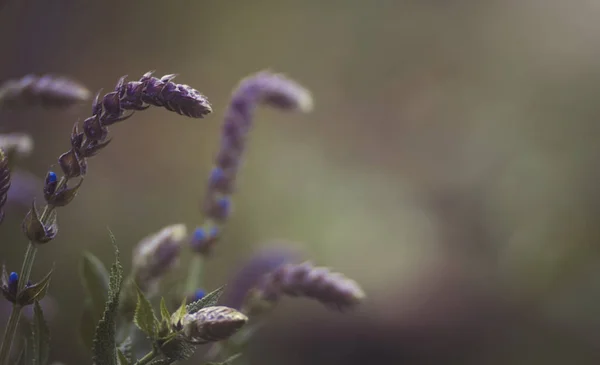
156 254
263 88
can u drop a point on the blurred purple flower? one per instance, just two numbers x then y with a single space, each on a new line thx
253 270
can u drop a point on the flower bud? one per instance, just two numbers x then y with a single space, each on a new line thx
212 324
36 230
203 239
64 195
156 254
72 164
219 208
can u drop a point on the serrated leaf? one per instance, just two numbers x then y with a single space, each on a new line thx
164 311
104 351
122 358
165 322
95 280
41 336
144 317
87 325
36 291
209 300
178 315
229 360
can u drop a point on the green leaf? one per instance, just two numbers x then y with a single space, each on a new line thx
144 317
209 300
229 360
36 291
164 311
165 323
87 324
95 280
122 358
104 351
178 315
41 336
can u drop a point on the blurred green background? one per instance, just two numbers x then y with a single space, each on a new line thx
450 165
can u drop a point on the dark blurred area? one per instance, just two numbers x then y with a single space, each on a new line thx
450 166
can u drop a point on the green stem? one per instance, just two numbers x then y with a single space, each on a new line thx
25 274
149 357
32 248
11 328
27 265
194 279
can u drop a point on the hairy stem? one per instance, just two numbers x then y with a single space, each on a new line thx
13 322
9 334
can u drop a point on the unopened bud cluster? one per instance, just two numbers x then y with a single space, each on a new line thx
46 90
305 280
262 88
211 324
156 254
119 105
113 107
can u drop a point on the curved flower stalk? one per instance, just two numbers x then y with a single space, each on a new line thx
47 90
335 290
116 106
263 88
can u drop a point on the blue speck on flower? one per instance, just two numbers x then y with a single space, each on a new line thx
216 175
51 178
199 235
225 205
13 278
199 294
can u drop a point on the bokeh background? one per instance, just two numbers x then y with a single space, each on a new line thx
450 165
